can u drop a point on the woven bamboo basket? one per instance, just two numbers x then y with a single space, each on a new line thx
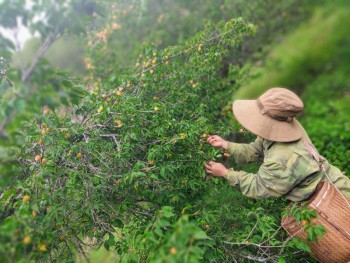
333 213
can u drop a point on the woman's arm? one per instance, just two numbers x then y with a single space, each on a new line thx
242 152
246 153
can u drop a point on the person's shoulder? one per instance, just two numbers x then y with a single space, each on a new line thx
284 150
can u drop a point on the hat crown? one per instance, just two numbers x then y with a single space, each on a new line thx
280 103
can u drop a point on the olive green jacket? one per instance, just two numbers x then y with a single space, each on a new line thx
288 170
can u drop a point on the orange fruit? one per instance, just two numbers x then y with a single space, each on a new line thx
26 198
173 251
79 155
151 162
27 240
37 158
42 248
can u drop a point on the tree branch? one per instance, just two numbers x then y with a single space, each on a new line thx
40 53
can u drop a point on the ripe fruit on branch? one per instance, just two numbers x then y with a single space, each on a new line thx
79 155
27 240
46 111
67 136
173 251
37 158
42 248
119 123
151 162
34 214
44 161
156 109
182 136
26 198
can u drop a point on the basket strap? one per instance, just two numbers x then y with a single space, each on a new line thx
314 154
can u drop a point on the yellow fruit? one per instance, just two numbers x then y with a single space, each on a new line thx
304 222
104 96
151 71
48 130
166 62
43 125
156 109
40 141
42 248
27 240
173 251
204 135
26 198
38 158
151 162
182 136
34 214
100 109
46 111
67 136
200 47
128 85
43 131
79 155
207 226
43 161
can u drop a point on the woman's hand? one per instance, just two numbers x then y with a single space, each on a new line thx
217 141
216 169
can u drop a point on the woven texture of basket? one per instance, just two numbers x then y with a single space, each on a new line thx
333 213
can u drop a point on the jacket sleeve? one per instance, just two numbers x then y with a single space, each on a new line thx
272 180
245 153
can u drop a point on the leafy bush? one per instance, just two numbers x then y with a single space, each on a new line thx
114 161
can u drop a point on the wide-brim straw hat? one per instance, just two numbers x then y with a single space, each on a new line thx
272 115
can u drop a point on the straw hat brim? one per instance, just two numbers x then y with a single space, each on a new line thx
248 114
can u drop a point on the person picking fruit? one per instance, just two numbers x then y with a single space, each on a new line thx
288 167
